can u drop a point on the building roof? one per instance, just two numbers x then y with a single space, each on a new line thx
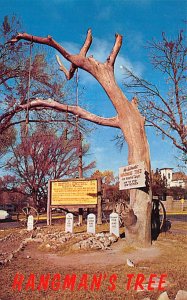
179 176
166 169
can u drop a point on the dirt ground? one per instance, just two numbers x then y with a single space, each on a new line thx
167 256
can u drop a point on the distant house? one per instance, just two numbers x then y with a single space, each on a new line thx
174 179
179 179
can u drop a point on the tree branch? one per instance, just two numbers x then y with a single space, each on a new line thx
75 110
87 43
69 74
179 146
112 57
79 60
76 60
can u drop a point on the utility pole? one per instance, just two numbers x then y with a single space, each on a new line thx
79 135
79 144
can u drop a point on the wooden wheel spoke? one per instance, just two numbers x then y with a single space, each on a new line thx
26 212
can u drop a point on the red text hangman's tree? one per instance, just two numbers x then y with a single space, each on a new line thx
128 119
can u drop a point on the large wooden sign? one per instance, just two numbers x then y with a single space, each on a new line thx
132 176
73 192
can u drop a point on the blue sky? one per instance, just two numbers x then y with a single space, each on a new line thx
138 21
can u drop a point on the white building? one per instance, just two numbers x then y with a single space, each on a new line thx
167 173
177 179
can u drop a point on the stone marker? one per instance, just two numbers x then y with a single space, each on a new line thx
30 223
91 223
181 295
114 224
163 296
69 223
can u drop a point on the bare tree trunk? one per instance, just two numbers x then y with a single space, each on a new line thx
132 124
138 232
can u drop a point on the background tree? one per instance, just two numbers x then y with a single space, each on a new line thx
177 192
7 138
110 185
24 74
11 192
159 184
165 108
128 119
43 155
107 176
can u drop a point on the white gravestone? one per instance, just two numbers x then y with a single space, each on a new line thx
91 220
114 224
69 223
30 223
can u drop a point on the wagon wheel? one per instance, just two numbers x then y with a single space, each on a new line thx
121 222
162 216
119 209
25 213
158 218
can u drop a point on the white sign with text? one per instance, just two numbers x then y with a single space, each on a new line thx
91 220
132 176
69 223
30 223
114 224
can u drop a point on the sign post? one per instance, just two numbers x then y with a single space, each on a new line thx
182 204
99 203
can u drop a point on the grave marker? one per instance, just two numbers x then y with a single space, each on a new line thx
91 220
114 224
69 223
30 223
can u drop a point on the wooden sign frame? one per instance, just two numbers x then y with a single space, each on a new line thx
58 196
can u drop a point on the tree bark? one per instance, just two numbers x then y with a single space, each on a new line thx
132 125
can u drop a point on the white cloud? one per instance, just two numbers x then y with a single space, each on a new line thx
104 14
100 49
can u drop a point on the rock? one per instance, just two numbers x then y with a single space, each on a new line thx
76 246
38 240
34 234
27 240
85 244
83 241
62 239
163 296
100 235
22 246
9 258
53 247
107 243
39 235
181 295
113 238
130 263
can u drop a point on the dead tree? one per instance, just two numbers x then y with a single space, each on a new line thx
128 119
